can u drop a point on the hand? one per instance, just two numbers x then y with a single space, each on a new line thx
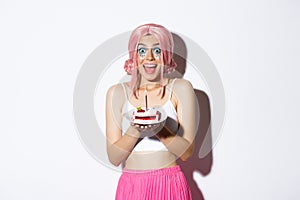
148 129
164 133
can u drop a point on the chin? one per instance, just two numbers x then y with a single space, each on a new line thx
157 79
152 77
155 76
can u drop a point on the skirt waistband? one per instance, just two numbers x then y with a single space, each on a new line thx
160 171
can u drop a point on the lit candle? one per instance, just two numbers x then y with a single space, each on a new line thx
146 100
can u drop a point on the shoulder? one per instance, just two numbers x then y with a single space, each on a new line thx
115 91
185 95
182 85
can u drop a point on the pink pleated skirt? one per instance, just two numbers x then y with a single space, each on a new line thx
159 184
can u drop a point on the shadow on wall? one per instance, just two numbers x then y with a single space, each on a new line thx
203 138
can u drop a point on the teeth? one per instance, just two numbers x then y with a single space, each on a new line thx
149 65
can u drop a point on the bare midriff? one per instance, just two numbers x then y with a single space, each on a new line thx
146 160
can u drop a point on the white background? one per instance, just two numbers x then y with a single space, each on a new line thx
254 45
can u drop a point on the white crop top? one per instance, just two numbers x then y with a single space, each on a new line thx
150 144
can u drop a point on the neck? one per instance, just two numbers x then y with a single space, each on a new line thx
145 83
149 87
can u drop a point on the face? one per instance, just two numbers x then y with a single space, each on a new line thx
149 58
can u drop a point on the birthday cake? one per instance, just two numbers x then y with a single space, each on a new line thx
146 116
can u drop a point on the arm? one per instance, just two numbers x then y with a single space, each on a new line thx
118 147
182 143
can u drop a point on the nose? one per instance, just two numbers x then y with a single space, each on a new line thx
150 55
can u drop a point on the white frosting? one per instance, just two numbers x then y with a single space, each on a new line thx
139 117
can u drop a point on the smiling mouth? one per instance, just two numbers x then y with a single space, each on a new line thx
149 65
150 68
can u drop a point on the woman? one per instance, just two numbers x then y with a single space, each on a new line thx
149 152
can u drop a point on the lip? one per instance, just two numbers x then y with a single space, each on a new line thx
150 65
150 68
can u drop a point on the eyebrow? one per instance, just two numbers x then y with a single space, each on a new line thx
146 45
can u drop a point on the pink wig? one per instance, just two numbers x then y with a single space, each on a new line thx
166 44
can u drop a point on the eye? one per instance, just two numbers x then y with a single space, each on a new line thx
156 50
142 51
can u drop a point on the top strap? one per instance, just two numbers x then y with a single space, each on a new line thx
171 88
125 91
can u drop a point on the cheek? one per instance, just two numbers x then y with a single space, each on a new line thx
140 60
159 59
